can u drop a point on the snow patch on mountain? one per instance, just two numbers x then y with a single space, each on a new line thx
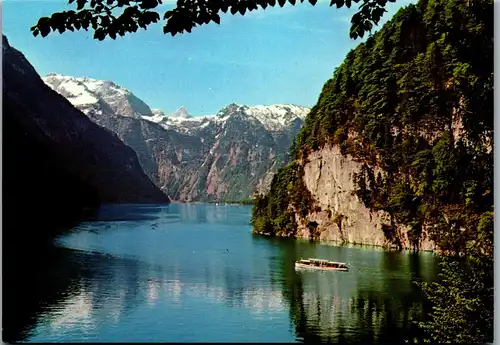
71 88
181 113
158 112
81 91
157 117
100 96
180 121
274 117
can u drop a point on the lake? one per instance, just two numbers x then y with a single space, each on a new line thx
195 272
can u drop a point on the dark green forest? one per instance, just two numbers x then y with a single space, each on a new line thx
415 102
395 104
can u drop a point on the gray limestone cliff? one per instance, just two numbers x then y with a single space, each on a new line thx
338 212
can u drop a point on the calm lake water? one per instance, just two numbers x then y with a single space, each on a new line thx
195 272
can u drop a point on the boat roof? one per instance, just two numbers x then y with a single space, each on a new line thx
325 261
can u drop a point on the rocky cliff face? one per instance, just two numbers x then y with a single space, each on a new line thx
338 212
245 147
227 156
57 161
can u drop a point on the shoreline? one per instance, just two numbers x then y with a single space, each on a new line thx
220 203
334 243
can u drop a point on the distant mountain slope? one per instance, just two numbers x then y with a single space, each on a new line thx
56 161
228 156
85 92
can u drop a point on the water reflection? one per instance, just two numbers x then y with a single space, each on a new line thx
115 289
33 281
196 273
375 302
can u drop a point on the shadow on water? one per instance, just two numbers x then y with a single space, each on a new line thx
38 274
34 271
126 212
26 289
375 302
62 282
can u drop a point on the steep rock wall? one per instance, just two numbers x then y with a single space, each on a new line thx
340 215
88 155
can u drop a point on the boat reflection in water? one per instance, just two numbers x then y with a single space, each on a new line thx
319 264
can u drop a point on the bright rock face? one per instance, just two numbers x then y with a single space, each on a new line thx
340 215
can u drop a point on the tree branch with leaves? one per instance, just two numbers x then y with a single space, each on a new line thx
110 18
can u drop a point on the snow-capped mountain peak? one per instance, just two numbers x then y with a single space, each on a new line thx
73 89
182 113
85 92
273 117
158 112
157 117
103 97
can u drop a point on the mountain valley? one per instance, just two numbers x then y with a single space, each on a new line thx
227 156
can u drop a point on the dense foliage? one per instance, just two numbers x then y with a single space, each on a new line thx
414 105
462 302
109 18
274 214
416 101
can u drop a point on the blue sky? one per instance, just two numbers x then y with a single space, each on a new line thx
277 55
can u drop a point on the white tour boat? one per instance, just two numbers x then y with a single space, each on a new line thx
320 264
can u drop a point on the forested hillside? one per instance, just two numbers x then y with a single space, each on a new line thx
410 114
414 105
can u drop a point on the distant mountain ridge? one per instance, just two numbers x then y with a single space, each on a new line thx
227 156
